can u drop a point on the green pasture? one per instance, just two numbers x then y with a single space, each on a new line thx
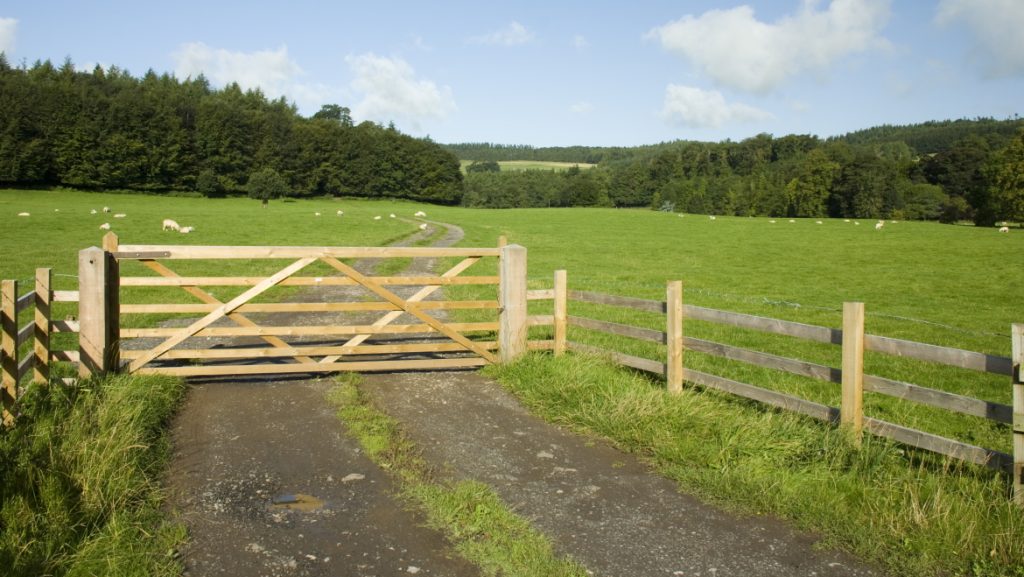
509 165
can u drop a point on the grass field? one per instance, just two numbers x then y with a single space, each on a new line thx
508 165
946 285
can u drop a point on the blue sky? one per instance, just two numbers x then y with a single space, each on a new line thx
561 73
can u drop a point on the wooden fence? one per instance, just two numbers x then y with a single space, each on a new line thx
854 382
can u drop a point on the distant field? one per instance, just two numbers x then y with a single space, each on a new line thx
534 165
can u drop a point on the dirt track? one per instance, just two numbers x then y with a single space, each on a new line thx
241 444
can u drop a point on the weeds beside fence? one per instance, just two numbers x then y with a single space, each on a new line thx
851 376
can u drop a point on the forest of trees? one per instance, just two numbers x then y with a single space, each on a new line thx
106 129
955 170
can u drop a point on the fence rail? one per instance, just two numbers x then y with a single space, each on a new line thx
851 376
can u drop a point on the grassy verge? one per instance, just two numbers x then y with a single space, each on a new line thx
889 505
79 480
481 528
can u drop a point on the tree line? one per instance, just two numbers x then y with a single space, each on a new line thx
106 129
965 170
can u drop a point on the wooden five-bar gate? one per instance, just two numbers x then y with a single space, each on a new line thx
406 332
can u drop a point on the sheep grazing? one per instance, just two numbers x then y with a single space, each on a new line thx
316 214
341 212
376 217
106 209
24 214
120 215
93 211
711 216
771 222
423 226
846 220
186 229
1004 229
817 222
879 225
105 226
172 225
392 215
856 223
791 221
420 214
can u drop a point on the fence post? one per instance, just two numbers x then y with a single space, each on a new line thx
674 336
1018 414
851 411
44 326
561 311
110 242
98 312
9 350
512 318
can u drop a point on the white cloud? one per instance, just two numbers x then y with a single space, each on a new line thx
269 70
391 91
739 51
699 108
8 26
580 42
511 35
582 107
996 26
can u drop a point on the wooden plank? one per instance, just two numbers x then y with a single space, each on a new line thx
410 307
221 311
297 252
305 307
765 324
618 301
25 365
639 363
540 320
66 356
936 444
773 398
419 296
8 349
305 331
1017 383
540 345
540 294
357 366
936 354
769 361
208 298
65 296
66 326
512 330
310 351
25 333
97 312
24 302
674 336
630 331
42 327
852 407
149 281
561 306
941 399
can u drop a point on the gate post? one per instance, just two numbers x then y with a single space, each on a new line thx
98 312
512 291
851 408
1018 412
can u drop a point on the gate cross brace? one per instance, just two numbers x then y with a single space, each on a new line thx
410 308
221 311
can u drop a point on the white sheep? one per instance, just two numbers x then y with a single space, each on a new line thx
420 214
771 222
56 210
846 220
341 212
316 214
392 215
170 224
105 226
817 222
376 217
106 209
24 214
120 215
1004 229
856 223
186 229
423 226
791 221
711 216
879 225
93 211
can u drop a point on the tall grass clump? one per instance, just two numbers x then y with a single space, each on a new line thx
79 480
915 513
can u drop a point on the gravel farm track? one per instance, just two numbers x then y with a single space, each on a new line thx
242 444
